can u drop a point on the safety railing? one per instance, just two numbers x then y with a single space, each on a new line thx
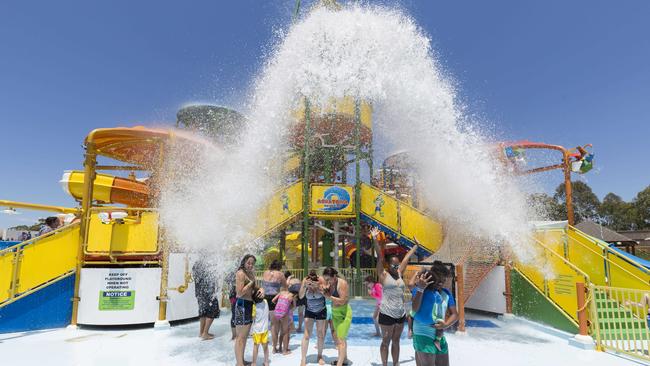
619 320
36 263
605 266
554 277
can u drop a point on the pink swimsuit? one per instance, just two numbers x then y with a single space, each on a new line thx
282 307
376 293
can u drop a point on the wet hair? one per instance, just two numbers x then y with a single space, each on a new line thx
330 271
287 274
257 296
370 279
52 220
242 265
313 276
441 270
275 265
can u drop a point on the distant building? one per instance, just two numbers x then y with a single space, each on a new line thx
610 236
642 237
15 235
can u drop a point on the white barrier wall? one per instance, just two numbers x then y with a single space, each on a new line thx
115 296
180 305
489 295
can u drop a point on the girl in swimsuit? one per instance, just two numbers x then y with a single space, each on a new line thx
272 281
294 287
245 287
392 311
336 289
374 291
283 305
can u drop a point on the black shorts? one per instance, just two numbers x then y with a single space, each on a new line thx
269 300
208 308
243 312
232 314
321 315
389 320
302 301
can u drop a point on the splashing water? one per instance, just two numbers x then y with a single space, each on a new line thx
374 54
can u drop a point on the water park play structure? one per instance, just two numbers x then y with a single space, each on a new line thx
115 266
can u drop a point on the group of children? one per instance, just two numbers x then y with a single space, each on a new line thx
280 307
325 301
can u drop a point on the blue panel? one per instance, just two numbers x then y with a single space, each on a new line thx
50 307
7 244
479 323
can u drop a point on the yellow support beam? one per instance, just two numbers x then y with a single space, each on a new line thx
38 207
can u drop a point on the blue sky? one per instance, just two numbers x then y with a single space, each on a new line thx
560 72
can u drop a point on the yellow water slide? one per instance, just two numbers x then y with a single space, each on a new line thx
401 219
564 256
107 188
283 207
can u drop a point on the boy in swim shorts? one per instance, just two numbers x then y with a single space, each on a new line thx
260 328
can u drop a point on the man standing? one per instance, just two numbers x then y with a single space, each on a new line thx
206 296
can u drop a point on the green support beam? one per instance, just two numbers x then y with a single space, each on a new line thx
305 191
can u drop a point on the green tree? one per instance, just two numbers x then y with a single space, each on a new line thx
616 213
34 227
545 207
585 202
641 205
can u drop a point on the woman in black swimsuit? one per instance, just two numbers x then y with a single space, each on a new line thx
245 287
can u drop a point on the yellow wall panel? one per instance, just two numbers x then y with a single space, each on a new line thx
626 275
48 258
281 207
417 225
587 256
6 269
379 206
127 237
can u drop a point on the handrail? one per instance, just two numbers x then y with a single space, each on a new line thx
609 250
564 260
34 239
610 262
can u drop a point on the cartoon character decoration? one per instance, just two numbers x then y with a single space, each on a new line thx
285 202
583 160
379 202
515 155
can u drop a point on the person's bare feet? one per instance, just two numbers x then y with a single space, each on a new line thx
410 334
376 335
321 361
207 337
286 352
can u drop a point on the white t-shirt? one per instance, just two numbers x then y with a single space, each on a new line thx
261 323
